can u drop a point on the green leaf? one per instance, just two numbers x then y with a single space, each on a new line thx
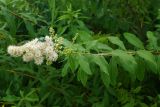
84 36
11 98
146 55
137 90
63 17
97 46
102 63
132 39
30 28
122 96
72 60
32 98
91 44
113 70
82 76
126 60
117 41
11 22
65 69
101 46
61 30
29 17
21 93
124 56
84 64
105 78
53 11
140 70
152 40
150 60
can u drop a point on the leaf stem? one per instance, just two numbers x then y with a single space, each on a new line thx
110 53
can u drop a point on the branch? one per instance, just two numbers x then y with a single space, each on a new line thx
110 53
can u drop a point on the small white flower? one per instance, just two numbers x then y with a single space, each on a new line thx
35 50
48 41
15 51
55 56
38 60
28 57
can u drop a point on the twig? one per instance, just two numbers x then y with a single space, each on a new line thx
23 74
110 53
20 17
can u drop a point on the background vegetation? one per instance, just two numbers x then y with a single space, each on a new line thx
127 75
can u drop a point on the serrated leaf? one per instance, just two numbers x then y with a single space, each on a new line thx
106 79
152 40
84 36
117 41
126 60
132 39
152 66
146 55
149 60
84 64
65 69
123 55
102 63
91 44
104 47
82 76
97 46
72 63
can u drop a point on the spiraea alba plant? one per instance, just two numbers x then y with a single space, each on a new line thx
80 56
87 58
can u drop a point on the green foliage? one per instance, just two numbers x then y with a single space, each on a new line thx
132 39
117 41
118 69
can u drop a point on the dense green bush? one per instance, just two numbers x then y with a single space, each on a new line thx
103 64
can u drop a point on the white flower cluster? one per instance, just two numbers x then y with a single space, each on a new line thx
35 50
